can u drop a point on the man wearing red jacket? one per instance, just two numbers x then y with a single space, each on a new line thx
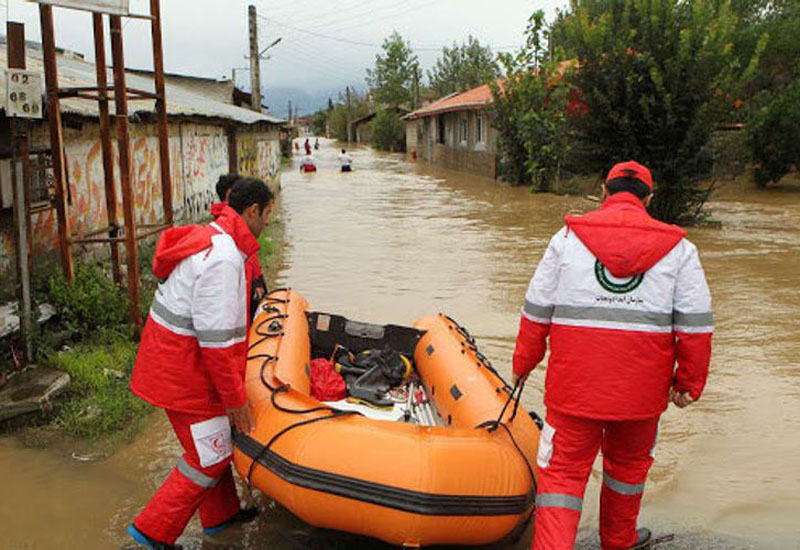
622 298
192 359
256 284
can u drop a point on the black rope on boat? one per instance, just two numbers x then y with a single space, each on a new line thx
471 344
265 448
284 388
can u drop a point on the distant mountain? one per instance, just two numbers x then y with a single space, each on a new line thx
306 101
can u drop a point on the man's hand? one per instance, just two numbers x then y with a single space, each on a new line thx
680 399
516 379
241 418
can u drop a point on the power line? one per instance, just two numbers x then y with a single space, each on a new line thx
365 44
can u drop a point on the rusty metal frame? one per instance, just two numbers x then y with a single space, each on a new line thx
120 94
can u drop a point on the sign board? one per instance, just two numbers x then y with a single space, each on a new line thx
23 93
114 7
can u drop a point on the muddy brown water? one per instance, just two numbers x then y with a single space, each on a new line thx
394 241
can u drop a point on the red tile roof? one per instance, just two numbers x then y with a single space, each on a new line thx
476 98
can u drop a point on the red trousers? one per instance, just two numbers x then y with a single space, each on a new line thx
567 449
189 487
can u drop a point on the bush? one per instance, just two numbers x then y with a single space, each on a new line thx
774 136
388 131
89 305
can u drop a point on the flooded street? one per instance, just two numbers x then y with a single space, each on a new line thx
393 241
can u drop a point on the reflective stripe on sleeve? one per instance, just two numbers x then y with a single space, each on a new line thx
221 335
537 313
705 319
622 487
195 476
171 317
558 500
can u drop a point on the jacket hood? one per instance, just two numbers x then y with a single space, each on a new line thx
176 244
623 236
234 225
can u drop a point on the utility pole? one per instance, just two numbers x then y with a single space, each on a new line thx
416 87
255 61
289 116
21 184
348 115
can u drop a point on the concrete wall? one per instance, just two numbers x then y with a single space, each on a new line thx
450 149
198 156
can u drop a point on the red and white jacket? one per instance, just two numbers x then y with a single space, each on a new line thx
193 352
622 297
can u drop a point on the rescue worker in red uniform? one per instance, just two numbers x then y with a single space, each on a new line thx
258 287
622 297
191 362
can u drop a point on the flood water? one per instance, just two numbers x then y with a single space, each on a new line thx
394 241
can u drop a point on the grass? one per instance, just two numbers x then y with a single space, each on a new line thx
99 401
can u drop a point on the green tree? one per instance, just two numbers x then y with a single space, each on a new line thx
319 122
772 104
388 131
657 77
392 77
531 112
774 136
463 67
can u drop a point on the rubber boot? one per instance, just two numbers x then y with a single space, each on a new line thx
147 542
643 536
245 515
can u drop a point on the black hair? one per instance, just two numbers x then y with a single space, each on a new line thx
224 184
630 185
249 191
343 151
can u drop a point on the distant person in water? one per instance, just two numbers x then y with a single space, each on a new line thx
308 164
346 161
316 144
307 146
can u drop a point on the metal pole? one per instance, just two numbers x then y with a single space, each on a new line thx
348 115
56 137
105 140
255 61
125 172
20 179
161 110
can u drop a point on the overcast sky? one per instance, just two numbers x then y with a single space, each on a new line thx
318 50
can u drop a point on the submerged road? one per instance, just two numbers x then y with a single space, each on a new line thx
394 241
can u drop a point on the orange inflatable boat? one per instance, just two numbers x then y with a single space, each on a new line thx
466 478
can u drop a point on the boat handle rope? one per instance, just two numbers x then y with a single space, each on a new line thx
470 343
493 425
284 388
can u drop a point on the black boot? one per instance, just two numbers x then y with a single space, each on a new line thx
244 515
643 536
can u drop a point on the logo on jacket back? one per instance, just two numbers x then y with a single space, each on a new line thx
604 278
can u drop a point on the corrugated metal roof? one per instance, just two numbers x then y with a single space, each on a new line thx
76 72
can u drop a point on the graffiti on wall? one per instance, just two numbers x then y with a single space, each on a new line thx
205 159
198 156
259 156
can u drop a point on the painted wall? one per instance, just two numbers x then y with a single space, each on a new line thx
258 152
198 156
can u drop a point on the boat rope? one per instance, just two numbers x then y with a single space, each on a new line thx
274 330
470 344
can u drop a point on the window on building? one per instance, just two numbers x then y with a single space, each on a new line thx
440 121
464 133
42 180
479 129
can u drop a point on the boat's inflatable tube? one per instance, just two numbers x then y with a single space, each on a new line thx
402 483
